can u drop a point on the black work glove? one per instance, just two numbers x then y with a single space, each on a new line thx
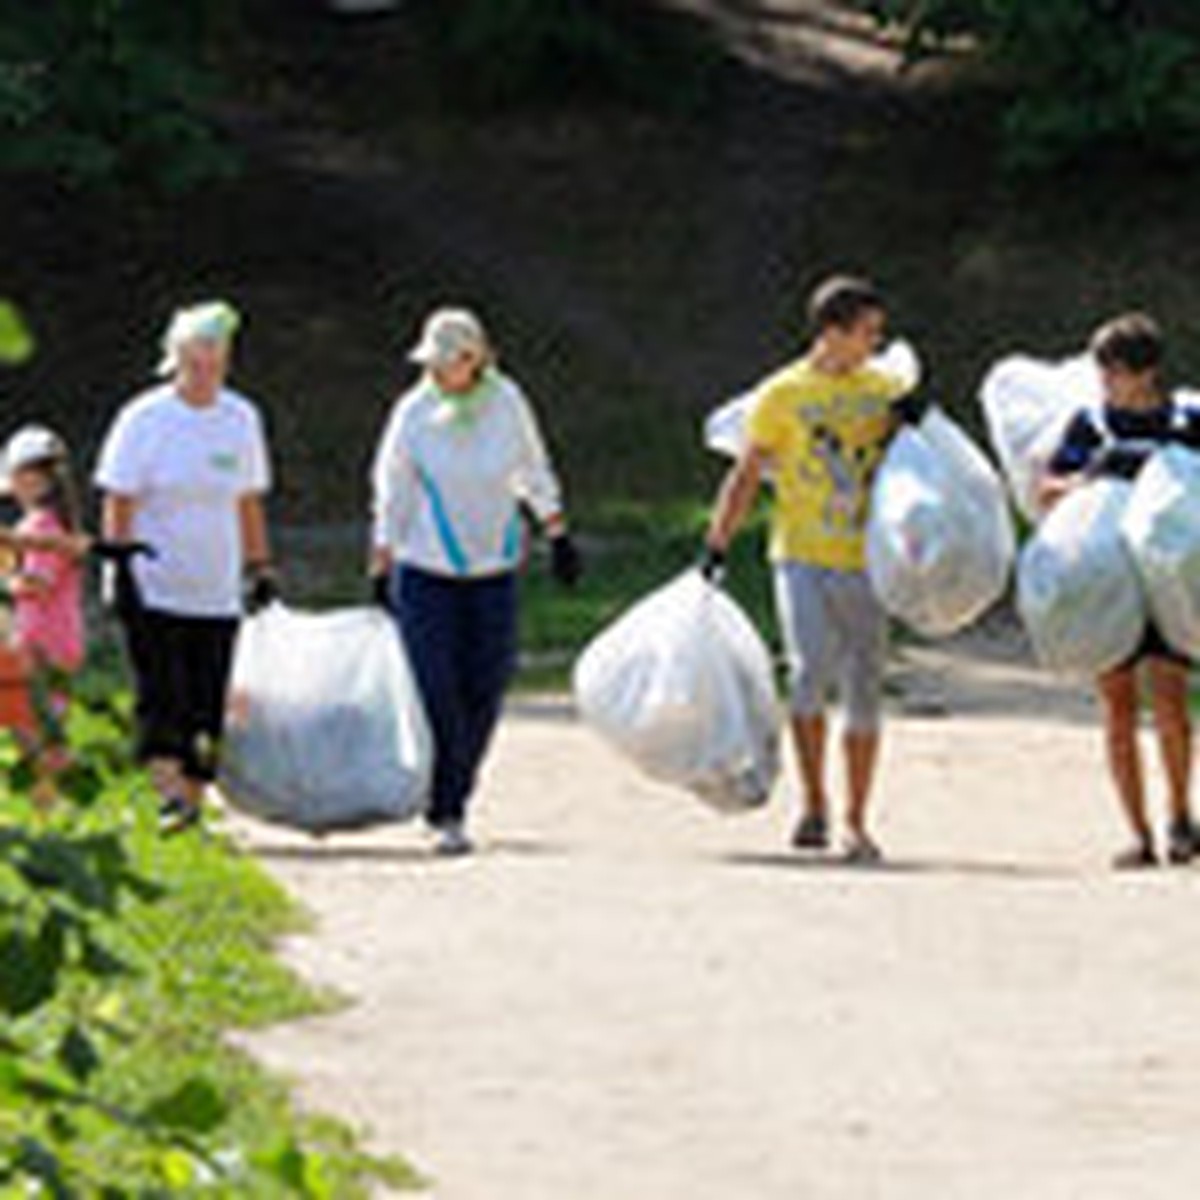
566 563
1118 462
712 565
381 590
261 589
122 594
910 409
120 552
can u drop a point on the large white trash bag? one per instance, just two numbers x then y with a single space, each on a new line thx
1078 589
1162 529
682 685
725 426
326 729
940 542
1027 404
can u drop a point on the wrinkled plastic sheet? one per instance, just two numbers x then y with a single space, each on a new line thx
682 685
940 541
325 729
1078 587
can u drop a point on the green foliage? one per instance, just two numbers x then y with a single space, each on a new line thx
104 91
518 51
16 342
1085 73
122 960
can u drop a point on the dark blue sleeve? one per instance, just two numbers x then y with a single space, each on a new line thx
1077 448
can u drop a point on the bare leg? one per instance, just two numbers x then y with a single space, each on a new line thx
1119 699
809 735
862 755
1169 688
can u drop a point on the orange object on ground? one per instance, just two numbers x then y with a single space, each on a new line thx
16 706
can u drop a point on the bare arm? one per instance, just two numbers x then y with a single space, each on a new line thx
1052 488
116 518
256 542
736 498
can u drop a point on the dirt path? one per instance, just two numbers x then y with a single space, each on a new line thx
626 996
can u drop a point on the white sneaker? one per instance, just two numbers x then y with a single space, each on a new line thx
451 840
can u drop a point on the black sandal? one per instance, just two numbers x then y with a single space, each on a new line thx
811 832
1183 842
1137 857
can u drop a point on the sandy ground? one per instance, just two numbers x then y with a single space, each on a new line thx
627 996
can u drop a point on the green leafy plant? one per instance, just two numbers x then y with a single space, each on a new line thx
16 341
1082 74
111 1082
108 91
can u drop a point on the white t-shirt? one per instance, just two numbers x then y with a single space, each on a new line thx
447 482
187 468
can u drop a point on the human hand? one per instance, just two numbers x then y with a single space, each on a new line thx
566 563
712 565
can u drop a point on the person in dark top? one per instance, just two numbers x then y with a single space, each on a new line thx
1115 440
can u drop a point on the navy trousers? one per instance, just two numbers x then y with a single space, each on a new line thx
461 637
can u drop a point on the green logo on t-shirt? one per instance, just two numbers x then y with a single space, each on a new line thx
224 460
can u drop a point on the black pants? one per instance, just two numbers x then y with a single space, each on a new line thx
181 668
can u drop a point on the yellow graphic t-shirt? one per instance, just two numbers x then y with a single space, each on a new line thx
825 435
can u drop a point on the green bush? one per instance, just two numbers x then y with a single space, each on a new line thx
122 964
520 51
1084 74
108 91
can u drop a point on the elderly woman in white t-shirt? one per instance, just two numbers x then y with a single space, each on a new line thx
184 469
461 455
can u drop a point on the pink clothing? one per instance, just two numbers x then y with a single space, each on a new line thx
48 624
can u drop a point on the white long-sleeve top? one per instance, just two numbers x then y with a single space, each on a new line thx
450 474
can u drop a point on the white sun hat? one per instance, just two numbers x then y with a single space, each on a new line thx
30 445
449 333
213 321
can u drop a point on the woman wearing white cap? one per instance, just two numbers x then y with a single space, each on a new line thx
461 454
184 469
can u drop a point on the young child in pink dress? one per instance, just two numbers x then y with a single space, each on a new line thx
45 585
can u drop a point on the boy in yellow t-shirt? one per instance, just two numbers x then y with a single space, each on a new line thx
820 427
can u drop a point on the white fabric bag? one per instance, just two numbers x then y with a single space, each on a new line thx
1027 404
940 541
682 685
725 426
326 729
1162 529
1078 589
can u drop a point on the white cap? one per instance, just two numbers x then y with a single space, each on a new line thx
214 321
447 335
30 445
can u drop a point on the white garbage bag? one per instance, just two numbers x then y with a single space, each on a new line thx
1027 404
682 685
725 426
1162 529
325 728
940 541
1078 589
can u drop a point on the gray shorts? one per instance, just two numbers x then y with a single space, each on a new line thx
835 634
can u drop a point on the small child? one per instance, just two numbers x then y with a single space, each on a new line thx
47 586
45 644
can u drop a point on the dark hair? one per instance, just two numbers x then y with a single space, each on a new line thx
840 300
62 496
1133 341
